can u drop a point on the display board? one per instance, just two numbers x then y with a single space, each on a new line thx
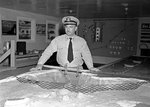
110 37
25 29
144 37
52 28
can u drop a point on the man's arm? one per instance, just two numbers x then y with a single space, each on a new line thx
47 54
86 54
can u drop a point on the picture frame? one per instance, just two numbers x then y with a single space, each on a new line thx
41 29
25 29
9 28
52 30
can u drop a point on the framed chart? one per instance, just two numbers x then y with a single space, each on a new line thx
51 30
8 27
25 29
41 29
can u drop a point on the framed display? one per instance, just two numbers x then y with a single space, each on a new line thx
41 29
25 29
51 30
8 27
145 26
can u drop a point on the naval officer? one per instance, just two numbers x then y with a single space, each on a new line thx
72 50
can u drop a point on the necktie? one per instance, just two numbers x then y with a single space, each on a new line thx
70 51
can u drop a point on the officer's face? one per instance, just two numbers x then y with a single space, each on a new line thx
70 29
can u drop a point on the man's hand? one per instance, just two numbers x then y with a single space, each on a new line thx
94 69
37 68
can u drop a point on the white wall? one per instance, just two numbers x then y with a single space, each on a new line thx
40 40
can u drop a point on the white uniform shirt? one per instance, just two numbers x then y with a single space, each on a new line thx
60 45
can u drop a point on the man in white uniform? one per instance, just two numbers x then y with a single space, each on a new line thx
60 44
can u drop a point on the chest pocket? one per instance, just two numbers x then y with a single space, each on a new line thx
77 51
77 47
61 47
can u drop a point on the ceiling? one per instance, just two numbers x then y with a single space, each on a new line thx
83 8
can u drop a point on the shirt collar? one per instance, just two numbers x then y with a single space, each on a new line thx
68 37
